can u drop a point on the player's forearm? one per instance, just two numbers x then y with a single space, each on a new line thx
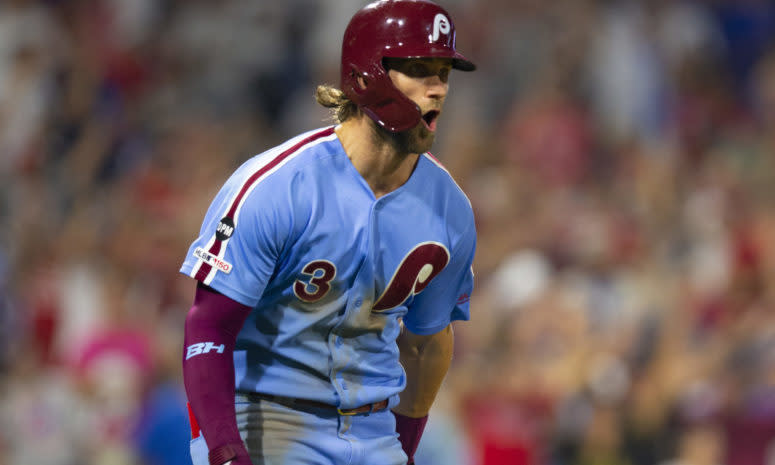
426 360
208 371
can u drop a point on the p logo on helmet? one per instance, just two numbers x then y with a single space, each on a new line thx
440 26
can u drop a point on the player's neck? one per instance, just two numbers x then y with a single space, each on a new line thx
381 163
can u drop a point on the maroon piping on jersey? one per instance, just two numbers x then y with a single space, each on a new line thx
215 249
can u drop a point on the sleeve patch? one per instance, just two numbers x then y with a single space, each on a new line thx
212 260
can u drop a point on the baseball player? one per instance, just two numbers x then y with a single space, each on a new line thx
329 268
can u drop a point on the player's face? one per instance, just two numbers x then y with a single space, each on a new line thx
426 82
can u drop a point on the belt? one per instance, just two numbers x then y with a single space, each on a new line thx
297 403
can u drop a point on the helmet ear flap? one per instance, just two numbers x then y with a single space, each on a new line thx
358 84
380 99
390 108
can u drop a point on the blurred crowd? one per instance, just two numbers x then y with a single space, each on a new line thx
620 157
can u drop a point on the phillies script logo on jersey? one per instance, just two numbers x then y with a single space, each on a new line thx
417 269
212 260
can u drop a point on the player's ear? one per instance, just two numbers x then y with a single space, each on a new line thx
362 83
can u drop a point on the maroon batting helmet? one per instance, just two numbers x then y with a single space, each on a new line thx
394 29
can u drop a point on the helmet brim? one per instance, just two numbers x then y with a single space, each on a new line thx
462 63
459 62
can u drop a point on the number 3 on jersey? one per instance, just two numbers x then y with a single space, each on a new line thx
321 273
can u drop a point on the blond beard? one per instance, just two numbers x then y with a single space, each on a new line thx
415 140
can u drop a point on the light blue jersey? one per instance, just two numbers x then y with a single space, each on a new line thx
330 271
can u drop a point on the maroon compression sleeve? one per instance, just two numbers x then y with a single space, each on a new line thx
211 331
409 433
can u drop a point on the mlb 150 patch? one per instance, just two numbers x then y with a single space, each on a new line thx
212 260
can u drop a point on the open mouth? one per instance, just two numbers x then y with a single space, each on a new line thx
429 118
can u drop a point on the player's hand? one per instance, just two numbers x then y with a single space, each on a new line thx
232 454
239 461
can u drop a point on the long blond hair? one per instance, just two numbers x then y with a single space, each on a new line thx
342 108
